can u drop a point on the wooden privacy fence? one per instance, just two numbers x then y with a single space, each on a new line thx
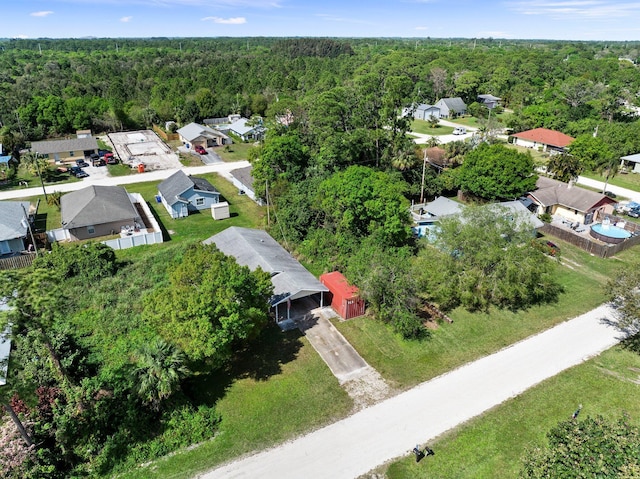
589 245
17 262
164 135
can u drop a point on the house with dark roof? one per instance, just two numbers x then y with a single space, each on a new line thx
488 100
257 249
451 107
194 134
67 150
426 112
14 226
181 194
570 202
98 211
542 139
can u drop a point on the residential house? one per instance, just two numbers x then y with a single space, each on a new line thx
194 134
98 211
451 107
243 180
257 249
426 112
631 162
181 194
15 217
542 139
67 150
570 202
489 101
241 128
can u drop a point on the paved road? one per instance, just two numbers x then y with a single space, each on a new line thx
222 168
618 190
389 429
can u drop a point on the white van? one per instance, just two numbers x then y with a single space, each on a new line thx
459 130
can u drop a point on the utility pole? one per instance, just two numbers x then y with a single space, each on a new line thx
41 180
33 240
267 195
424 167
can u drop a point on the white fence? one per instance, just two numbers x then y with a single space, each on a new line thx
135 239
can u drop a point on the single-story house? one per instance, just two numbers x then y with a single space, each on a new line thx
257 249
542 139
571 202
451 107
243 180
98 211
194 134
65 150
489 101
181 194
627 161
14 226
426 112
240 128
434 210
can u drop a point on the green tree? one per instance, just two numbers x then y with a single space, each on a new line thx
159 369
497 172
564 167
624 293
484 257
210 304
593 447
592 152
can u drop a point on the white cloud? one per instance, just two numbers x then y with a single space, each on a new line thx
566 9
126 19
23 37
201 3
226 21
420 28
44 13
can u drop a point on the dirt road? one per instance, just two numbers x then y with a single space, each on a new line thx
389 429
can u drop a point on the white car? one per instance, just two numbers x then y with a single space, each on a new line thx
459 130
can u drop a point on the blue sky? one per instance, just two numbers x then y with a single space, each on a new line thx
531 19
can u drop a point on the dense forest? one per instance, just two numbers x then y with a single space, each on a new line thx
109 376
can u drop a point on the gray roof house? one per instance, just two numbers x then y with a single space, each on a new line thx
243 180
451 107
488 100
240 128
98 211
425 112
14 228
181 194
59 150
626 161
195 134
257 249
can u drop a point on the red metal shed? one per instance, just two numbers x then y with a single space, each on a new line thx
344 297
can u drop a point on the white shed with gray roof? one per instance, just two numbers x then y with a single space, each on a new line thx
257 249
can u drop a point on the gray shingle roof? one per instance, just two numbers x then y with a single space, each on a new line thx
243 175
443 206
173 187
454 104
11 219
64 146
256 249
193 130
96 205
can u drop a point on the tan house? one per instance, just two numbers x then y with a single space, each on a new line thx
68 150
98 211
572 203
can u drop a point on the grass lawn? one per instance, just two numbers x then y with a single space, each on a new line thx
539 157
283 390
494 444
120 169
406 363
235 152
421 126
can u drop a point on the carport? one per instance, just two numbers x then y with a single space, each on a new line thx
292 283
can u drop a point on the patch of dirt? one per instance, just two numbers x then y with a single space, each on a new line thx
367 388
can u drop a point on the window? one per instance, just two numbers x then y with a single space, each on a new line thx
199 201
71 153
91 230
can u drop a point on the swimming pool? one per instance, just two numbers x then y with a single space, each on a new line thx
609 233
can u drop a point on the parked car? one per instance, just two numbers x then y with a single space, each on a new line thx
200 149
110 158
634 212
82 163
459 130
610 194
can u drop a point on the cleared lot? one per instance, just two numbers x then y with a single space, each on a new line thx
144 146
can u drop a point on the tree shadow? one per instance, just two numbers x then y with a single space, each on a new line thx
259 360
632 343
165 234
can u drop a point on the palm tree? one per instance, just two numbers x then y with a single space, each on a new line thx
160 367
564 167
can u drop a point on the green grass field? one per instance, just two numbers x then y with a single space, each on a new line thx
494 444
421 126
235 152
